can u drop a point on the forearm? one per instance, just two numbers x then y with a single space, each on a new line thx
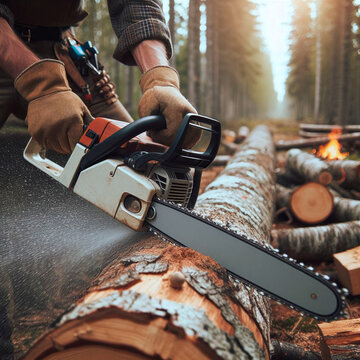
14 55
150 53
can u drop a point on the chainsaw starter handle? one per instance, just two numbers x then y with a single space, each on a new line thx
99 151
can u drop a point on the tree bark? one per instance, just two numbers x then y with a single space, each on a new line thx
347 173
194 52
308 166
172 29
317 243
157 298
304 143
346 209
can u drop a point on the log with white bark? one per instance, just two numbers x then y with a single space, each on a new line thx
345 209
308 166
221 160
317 243
287 178
311 135
311 203
305 143
347 173
157 300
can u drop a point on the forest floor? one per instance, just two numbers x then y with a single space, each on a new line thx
288 325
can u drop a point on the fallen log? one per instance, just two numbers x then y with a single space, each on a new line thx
308 166
311 135
228 135
317 243
305 143
311 203
345 209
162 301
347 173
340 340
322 127
347 266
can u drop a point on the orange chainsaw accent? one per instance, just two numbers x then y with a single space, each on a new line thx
104 128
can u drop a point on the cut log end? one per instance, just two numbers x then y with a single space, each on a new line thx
325 178
311 203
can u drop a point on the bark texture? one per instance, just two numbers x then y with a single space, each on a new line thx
157 298
346 209
347 173
304 143
308 166
317 243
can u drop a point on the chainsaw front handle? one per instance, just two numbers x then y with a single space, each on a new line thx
99 151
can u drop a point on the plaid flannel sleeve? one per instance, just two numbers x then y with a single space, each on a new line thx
134 21
6 13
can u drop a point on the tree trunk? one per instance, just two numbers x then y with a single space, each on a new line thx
129 89
318 62
347 173
317 243
194 52
304 143
157 300
172 29
210 34
308 166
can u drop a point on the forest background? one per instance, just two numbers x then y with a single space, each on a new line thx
225 68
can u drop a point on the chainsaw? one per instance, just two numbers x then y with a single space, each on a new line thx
150 187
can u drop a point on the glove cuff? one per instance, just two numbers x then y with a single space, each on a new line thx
42 78
159 76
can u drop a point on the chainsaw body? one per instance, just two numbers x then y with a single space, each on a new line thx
120 170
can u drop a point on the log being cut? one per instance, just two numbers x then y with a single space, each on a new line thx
317 243
308 166
157 300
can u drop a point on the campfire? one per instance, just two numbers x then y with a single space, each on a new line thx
331 150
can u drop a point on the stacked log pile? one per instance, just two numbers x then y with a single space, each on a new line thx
311 190
157 300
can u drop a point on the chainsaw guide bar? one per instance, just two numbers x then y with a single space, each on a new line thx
272 274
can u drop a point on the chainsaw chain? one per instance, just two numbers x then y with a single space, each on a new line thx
340 293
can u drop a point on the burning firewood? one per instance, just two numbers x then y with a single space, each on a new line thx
317 243
340 339
311 203
311 143
307 166
347 265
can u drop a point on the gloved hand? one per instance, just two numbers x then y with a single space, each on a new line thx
161 95
106 87
55 115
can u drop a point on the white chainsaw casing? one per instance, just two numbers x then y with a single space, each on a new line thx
108 183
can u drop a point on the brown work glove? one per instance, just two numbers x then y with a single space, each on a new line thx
55 115
161 95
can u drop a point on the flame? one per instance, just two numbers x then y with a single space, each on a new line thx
332 150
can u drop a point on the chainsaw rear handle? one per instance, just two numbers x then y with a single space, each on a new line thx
175 156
